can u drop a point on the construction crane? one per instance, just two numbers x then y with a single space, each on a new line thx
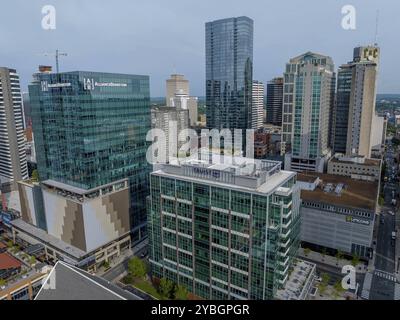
56 55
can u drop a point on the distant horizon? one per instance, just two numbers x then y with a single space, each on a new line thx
158 38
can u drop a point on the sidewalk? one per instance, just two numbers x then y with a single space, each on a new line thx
397 248
329 260
120 259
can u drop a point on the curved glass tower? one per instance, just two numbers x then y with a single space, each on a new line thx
229 73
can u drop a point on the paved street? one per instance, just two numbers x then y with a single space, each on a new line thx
383 277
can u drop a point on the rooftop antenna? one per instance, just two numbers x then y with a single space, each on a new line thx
56 55
376 28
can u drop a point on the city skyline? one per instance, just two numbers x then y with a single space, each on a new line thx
132 52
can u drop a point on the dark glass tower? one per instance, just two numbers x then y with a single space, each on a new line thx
274 103
229 73
90 130
341 110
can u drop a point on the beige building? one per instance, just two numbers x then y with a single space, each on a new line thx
182 101
257 108
358 167
362 101
13 166
176 83
171 121
178 97
80 226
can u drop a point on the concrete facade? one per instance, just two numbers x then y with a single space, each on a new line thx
13 166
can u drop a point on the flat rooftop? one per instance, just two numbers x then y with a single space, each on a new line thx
299 281
364 162
72 283
353 193
244 174
35 235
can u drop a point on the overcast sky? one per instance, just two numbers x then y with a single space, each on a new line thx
160 37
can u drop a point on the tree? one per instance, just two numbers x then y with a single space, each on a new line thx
325 278
9 244
166 288
355 260
106 264
137 267
181 292
381 201
306 251
339 256
2 282
338 289
35 175
32 260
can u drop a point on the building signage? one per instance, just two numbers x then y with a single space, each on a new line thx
207 173
91 84
46 86
357 220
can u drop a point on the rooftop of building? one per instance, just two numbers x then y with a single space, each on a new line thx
80 194
66 282
356 160
34 235
299 281
8 262
31 277
246 174
340 190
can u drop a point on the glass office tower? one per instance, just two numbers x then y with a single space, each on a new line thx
229 73
90 130
224 231
341 110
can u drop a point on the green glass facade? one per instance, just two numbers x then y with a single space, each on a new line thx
221 242
90 129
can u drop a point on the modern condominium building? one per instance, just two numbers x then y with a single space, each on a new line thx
274 103
13 165
229 73
224 231
257 113
309 87
90 131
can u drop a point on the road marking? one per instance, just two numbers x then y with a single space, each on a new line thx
384 257
366 286
385 275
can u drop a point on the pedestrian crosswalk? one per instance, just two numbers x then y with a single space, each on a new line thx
385 275
366 286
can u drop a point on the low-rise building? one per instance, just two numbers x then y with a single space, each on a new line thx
357 167
25 288
67 282
338 213
83 227
9 266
